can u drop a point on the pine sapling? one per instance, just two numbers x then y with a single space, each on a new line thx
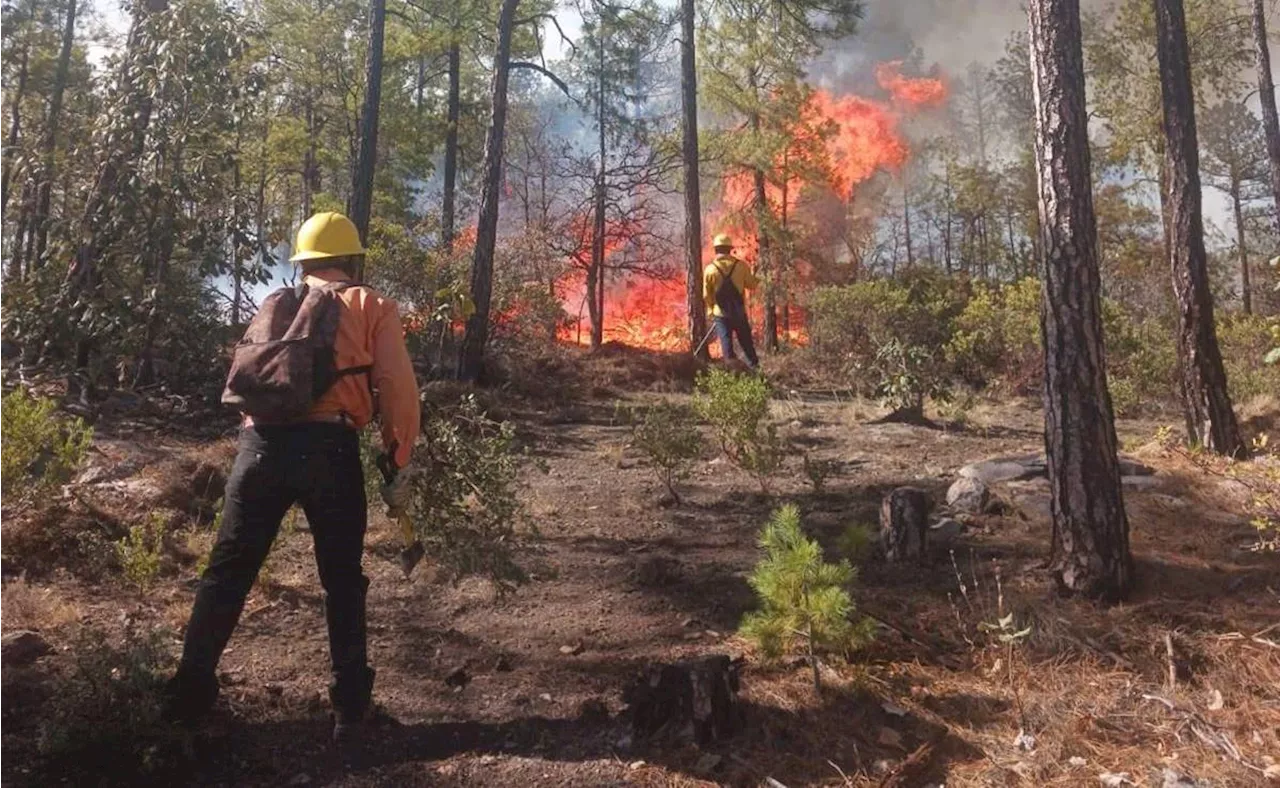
805 601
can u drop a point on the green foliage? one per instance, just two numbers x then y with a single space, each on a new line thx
804 601
1244 339
464 505
140 551
888 334
42 450
737 408
998 334
858 542
104 715
668 435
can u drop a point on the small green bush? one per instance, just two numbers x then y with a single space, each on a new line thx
818 471
737 408
668 435
41 449
1244 340
858 542
997 336
104 715
804 601
139 552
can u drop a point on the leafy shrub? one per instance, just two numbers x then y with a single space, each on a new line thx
668 436
1142 359
464 505
41 450
737 408
140 552
997 336
104 716
1245 339
888 335
805 602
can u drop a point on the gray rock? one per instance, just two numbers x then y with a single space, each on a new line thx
1140 482
1172 779
21 648
968 495
1006 469
1131 467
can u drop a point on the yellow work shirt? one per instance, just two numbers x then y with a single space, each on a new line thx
714 274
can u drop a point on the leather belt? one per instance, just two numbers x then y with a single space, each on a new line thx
320 418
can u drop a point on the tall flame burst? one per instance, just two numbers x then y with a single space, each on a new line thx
861 137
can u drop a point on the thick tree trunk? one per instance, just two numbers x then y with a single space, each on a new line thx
447 217
1210 420
692 186
44 193
1090 529
765 261
1242 252
471 355
1267 97
361 204
695 700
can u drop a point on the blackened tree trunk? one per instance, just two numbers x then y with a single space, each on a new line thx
44 191
1206 404
906 219
447 218
769 326
362 179
692 186
598 226
1090 530
1267 97
471 355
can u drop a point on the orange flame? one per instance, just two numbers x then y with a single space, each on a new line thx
910 91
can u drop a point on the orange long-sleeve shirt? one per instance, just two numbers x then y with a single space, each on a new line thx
370 334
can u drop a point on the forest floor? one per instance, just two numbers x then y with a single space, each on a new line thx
621 579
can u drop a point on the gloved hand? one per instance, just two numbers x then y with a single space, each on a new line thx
396 494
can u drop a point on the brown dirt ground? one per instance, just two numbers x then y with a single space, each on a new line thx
627 581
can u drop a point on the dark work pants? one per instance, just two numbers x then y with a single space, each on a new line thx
317 466
725 328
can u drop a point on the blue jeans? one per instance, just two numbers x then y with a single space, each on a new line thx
725 329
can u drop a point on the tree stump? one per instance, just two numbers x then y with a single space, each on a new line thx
693 700
904 524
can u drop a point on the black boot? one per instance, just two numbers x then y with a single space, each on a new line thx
352 699
187 699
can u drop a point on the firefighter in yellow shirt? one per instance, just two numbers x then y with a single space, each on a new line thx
725 281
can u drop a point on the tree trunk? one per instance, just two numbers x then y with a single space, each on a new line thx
692 186
471 355
1246 295
44 192
361 204
1267 97
447 219
309 158
769 326
598 225
1090 530
906 219
1206 403
15 122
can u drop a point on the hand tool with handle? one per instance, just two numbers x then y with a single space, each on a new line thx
413 551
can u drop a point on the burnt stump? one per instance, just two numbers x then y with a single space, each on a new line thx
904 524
691 700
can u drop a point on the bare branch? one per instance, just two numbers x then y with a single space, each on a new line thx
546 73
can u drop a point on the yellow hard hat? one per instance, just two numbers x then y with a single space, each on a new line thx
722 240
326 235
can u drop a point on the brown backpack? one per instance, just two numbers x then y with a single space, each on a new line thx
285 362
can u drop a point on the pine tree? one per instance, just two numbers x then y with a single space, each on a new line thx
805 601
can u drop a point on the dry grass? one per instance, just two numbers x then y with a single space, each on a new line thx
28 606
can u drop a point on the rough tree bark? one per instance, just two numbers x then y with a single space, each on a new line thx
361 204
44 192
1090 530
1206 404
595 277
1267 97
447 220
904 524
692 186
471 355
